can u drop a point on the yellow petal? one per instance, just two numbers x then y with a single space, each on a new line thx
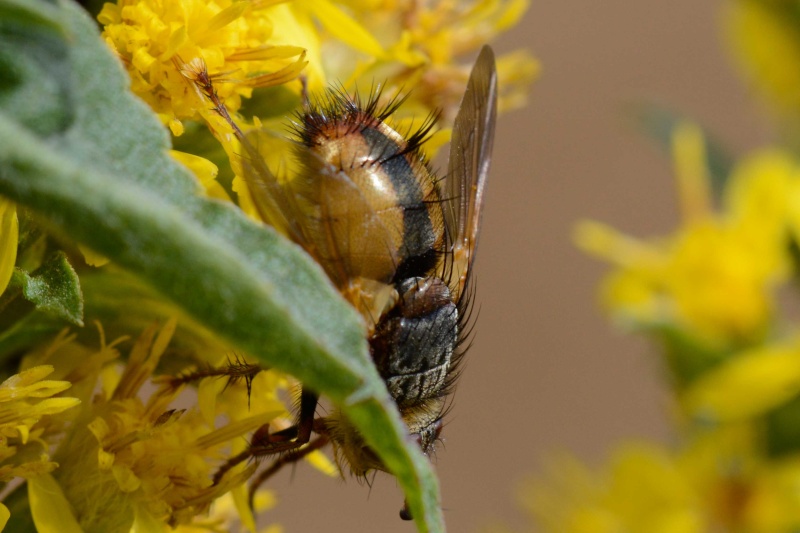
265 53
604 242
202 168
110 14
226 16
321 462
246 202
24 433
281 76
145 522
240 500
511 15
163 338
91 257
346 29
52 406
27 376
208 391
126 479
766 47
105 460
50 509
746 386
5 514
234 429
689 154
9 237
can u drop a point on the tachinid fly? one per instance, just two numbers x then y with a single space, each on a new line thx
398 243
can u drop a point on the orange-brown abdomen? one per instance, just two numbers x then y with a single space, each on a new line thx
374 195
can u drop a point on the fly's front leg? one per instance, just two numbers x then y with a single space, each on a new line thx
265 443
287 458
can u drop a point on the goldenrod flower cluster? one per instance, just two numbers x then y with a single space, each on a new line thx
764 38
123 457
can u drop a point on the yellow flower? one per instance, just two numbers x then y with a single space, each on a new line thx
28 405
25 399
720 481
423 43
150 462
714 278
747 385
764 37
251 44
643 490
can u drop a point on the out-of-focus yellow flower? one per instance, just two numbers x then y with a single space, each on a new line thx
714 278
720 481
747 385
764 36
642 490
424 41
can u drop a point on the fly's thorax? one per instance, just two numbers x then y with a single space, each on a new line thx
388 183
414 342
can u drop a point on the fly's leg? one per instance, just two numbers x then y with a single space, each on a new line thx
235 371
285 459
290 439
405 512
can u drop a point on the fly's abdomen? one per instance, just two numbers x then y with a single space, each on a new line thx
413 344
375 198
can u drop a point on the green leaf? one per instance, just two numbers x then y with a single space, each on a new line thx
54 288
100 173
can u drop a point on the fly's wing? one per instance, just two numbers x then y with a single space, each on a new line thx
273 201
321 209
470 155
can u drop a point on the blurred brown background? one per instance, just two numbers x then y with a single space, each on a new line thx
547 372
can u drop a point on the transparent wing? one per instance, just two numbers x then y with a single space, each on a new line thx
275 203
319 207
470 155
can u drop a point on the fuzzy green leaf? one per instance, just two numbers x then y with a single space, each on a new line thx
92 161
54 288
